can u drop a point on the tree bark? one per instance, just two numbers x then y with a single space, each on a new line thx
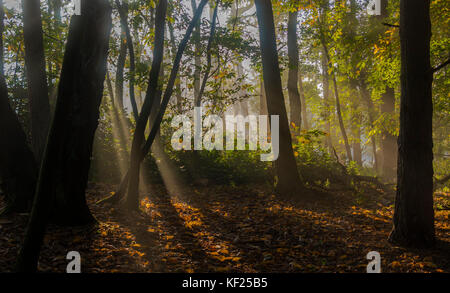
64 173
36 76
414 214
289 181
18 168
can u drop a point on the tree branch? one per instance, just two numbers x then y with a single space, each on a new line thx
441 66
390 25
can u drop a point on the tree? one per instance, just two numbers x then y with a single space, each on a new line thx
18 168
36 76
132 200
294 95
63 178
288 177
123 13
414 214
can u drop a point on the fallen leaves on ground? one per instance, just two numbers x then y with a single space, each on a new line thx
233 229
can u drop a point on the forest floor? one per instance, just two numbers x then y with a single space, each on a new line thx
235 229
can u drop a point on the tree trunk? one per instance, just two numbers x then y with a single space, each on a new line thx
65 168
388 141
18 169
414 214
197 58
123 12
303 103
36 76
338 102
120 68
294 96
326 100
370 110
286 168
132 199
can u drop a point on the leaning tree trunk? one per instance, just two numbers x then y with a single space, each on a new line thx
289 181
414 214
18 169
64 172
36 76
294 96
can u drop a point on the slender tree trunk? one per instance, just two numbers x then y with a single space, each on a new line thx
370 111
294 95
18 169
303 103
36 76
208 53
326 101
120 68
338 102
388 141
197 58
68 152
123 12
414 214
286 168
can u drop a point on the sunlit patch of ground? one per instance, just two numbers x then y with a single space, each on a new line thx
241 229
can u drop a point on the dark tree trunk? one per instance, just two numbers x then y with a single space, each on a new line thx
136 159
288 182
132 199
123 12
36 76
208 55
294 96
64 172
388 141
414 214
120 68
18 169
